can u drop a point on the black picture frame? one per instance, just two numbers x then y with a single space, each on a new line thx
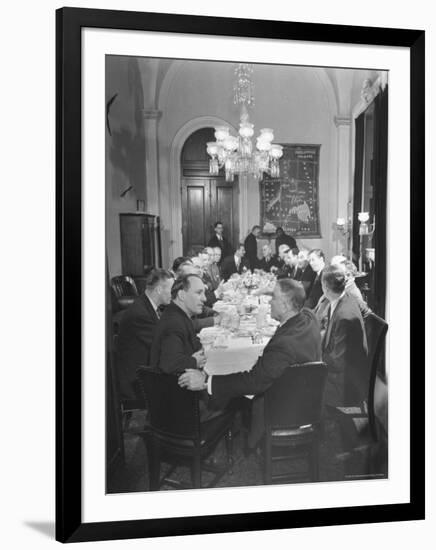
69 23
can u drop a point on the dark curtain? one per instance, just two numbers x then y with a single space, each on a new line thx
358 176
380 160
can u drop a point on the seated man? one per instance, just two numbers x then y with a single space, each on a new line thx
290 268
234 264
175 345
268 260
296 340
317 263
350 288
344 344
137 327
212 269
282 250
304 272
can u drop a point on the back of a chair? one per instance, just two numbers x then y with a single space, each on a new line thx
123 285
295 399
376 329
174 411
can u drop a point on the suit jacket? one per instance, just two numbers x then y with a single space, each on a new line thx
174 342
306 276
214 274
314 293
266 265
297 341
226 247
250 244
285 239
136 331
346 353
228 267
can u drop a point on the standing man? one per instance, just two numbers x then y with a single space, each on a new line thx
250 244
219 240
137 327
317 263
283 238
344 345
235 263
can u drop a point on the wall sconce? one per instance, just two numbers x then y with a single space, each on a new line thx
343 226
365 228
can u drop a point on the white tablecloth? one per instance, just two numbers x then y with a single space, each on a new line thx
240 355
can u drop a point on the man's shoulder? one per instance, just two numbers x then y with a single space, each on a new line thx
348 308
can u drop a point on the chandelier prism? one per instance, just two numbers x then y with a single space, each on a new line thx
236 153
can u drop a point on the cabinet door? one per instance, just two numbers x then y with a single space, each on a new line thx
132 244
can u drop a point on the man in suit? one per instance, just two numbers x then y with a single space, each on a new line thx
288 271
296 340
268 261
283 238
137 327
304 272
250 244
235 263
344 344
317 263
212 270
219 240
175 345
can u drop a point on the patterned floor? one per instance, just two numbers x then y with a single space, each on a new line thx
358 460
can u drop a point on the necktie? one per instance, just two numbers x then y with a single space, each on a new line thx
327 328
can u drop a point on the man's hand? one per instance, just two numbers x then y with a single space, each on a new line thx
193 380
200 358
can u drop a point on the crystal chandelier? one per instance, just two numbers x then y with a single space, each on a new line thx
236 153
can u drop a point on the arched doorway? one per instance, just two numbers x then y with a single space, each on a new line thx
205 199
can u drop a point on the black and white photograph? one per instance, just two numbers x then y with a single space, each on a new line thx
246 243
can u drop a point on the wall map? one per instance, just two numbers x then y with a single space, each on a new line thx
291 201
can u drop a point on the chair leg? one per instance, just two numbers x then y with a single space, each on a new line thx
196 471
268 460
314 461
153 453
229 450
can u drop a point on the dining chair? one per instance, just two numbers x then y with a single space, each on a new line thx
124 291
293 410
376 329
177 434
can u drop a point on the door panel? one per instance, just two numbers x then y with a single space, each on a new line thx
132 251
196 212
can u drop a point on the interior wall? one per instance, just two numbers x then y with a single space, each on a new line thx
125 147
291 100
301 104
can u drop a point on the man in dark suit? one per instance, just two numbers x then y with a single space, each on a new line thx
250 244
268 261
296 340
175 345
344 344
235 263
304 272
137 327
219 240
317 263
289 270
283 238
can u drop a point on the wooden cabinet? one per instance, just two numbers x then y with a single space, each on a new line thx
140 243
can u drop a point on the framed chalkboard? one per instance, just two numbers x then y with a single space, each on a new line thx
291 201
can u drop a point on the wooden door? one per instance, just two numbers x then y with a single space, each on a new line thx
205 199
204 202
140 243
